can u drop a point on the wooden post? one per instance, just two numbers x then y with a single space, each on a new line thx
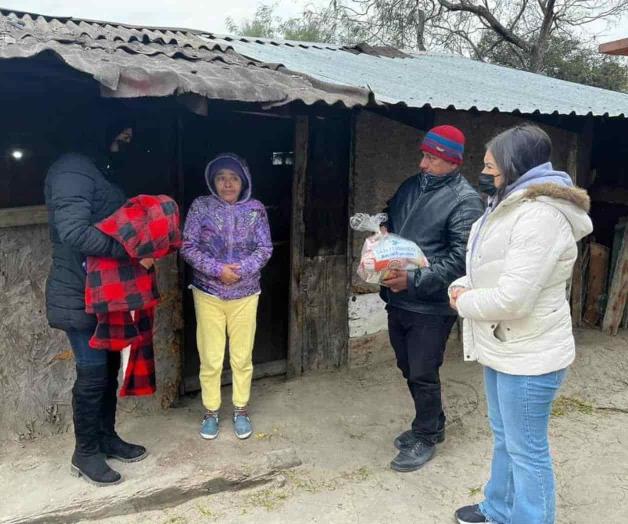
350 211
297 240
179 191
618 292
598 274
576 287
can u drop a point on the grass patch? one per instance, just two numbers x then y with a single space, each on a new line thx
175 520
316 486
268 498
208 513
565 405
267 436
475 491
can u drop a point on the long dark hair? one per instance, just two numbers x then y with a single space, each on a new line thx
519 149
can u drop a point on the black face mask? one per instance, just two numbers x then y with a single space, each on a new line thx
487 184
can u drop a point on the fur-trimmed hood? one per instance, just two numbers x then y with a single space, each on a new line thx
575 195
573 202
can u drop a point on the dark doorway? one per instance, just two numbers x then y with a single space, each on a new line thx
266 143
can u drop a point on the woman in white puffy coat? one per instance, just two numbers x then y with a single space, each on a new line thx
517 321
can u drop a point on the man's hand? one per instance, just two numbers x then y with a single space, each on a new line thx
147 263
229 274
456 293
397 280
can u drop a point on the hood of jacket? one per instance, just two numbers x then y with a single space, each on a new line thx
239 166
544 184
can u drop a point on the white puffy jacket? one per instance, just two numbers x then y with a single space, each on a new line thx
516 315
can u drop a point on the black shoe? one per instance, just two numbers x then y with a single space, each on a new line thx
110 443
407 439
94 469
114 447
87 399
411 459
470 515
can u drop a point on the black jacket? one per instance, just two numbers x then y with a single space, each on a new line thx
437 213
78 196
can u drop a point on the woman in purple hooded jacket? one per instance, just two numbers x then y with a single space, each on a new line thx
226 240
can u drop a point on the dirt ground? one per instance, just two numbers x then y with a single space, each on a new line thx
342 426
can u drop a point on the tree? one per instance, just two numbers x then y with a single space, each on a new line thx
516 34
312 26
526 26
568 59
262 25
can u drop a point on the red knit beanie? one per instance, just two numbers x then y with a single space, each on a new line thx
446 142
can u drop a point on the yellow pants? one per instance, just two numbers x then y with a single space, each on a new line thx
215 319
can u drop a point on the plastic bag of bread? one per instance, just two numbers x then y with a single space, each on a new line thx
384 252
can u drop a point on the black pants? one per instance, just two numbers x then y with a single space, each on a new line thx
419 342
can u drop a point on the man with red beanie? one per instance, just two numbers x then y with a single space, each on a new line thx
435 209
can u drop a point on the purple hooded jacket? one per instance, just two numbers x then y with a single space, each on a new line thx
217 233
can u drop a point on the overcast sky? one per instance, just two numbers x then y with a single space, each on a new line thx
208 15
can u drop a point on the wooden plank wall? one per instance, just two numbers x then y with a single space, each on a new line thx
319 329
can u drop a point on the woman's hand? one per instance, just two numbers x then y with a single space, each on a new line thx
454 295
229 274
147 263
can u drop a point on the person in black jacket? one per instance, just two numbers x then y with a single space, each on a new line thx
79 195
435 209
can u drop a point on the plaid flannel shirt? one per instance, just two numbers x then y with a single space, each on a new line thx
123 294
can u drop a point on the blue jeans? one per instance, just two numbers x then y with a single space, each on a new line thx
83 354
521 488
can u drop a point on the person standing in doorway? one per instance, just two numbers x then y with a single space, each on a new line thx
226 241
435 209
78 195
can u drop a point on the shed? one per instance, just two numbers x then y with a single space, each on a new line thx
328 131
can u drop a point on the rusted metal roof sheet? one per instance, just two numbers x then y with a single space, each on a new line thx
133 62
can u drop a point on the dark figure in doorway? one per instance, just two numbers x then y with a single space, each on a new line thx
436 209
78 195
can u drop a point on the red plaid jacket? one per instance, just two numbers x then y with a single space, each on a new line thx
147 227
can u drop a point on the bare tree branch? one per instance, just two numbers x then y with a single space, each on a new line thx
483 13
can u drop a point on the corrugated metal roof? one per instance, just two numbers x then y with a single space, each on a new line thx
132 61
442 81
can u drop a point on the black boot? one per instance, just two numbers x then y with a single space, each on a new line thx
87 400
110 443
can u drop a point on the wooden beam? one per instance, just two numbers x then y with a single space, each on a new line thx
616 47
23 216
297 242
618 292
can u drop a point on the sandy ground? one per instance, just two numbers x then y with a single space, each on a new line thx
342 426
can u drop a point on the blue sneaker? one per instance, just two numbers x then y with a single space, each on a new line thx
242 423
209 426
